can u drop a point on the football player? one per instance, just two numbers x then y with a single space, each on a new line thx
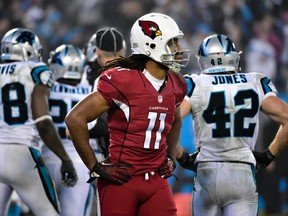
25 83
105 45
141 94
67 63
225 104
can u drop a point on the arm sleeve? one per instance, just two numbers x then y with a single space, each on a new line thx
41 74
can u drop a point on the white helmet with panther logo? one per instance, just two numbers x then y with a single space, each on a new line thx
20 44
67 62
217 54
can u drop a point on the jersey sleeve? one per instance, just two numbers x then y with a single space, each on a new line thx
193 94
190 85
41 74
110 84
268 88
181 89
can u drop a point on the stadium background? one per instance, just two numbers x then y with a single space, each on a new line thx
258 27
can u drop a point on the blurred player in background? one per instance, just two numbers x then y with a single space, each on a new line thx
67 63
105 45
25 84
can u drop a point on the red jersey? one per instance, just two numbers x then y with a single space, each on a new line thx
140 116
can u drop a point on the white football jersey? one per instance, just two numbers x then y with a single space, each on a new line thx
17 81
225 110
62 98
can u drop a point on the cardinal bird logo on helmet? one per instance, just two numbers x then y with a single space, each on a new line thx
149 28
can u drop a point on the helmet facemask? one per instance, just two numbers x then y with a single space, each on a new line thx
174 58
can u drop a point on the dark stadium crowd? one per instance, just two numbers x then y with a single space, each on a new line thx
259 28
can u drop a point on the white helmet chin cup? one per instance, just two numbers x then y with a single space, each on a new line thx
217 54
150 35
67 62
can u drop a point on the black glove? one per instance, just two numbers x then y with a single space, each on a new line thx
116 173
187 161
68 172
263 159
167 168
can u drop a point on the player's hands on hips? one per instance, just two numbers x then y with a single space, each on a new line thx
187 161
117 173
68 172
167 168
263 159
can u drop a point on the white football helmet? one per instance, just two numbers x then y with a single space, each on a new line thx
20 44
90 49
150 35
217 54
67 61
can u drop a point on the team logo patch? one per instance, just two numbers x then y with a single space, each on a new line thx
149 28
26 37
56 59
160 98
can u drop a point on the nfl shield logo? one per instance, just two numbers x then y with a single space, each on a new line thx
160 98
